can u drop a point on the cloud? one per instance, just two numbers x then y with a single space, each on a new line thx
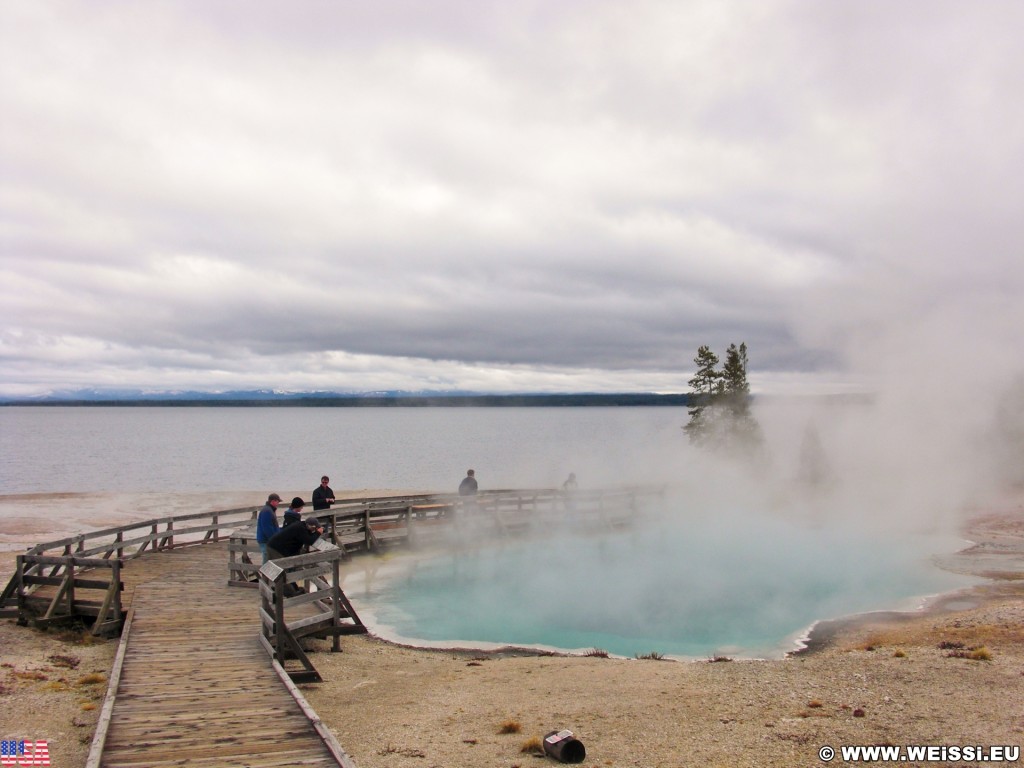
523 197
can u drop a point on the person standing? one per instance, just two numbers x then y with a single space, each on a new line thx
323 496
568 490
266 523
468 486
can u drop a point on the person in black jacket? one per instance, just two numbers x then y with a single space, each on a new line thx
289 541
323 496
468 485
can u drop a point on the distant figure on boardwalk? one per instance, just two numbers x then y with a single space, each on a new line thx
468 485
568 491
323 496
266 523
294 512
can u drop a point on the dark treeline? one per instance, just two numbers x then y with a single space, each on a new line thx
425 401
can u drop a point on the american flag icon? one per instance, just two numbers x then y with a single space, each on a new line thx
24 753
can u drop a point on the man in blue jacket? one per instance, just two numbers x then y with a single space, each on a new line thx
266 523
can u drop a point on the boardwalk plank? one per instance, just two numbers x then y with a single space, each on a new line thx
196 687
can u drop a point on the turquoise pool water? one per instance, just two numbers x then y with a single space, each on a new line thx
742 587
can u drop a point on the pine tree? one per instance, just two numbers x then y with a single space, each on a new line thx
707 381
734 372
721 414
704 386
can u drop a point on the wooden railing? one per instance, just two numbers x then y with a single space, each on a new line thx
301 597
372 524
85 570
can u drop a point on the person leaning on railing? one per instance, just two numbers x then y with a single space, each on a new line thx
289 542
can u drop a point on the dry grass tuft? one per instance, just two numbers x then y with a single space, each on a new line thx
974 653
510 726
391 749
88 706
814 709
599 653
76 635
60 660
533 746
719 659
31 674
93 678
652 656
899 653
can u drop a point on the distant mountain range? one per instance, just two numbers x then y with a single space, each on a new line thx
268 397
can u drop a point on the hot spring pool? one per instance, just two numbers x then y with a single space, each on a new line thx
739 588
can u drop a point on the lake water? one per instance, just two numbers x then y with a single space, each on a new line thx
214 449
714 570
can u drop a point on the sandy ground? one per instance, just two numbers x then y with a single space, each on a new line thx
887 679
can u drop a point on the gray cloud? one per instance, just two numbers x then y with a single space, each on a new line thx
505 197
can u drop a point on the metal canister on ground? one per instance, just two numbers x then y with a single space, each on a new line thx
564 747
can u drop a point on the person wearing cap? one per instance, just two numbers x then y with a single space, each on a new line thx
323 496
294 512
290 540
266 523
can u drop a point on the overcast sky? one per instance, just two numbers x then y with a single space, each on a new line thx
564 195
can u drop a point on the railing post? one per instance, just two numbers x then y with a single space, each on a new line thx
336 603
279 628
115 577
19 574
71 585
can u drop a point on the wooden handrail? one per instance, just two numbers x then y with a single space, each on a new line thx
61 563
319 613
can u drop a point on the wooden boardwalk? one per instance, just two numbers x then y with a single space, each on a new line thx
198 679
192 686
